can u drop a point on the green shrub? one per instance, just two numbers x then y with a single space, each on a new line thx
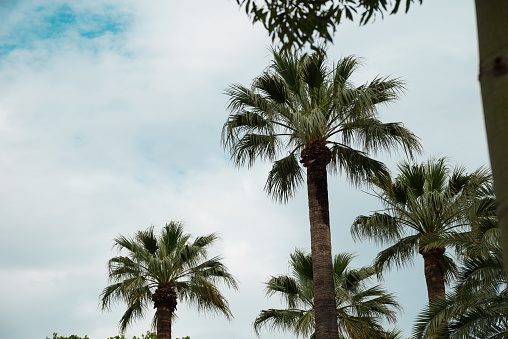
56 336
148 335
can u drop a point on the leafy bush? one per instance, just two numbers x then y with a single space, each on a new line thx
148 335
56 336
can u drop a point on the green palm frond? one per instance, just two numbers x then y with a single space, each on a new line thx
243 99
314 71
252 147
284 178
401 254
343 70
357 165
288 289
380 227
373 136
273 87
284 320
134 312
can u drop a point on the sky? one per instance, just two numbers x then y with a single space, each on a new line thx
110 120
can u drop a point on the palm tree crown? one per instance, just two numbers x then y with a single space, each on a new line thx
360 308
477 306
298 103
426 207
163 269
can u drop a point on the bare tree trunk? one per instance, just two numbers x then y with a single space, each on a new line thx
434 273
492 23
315 157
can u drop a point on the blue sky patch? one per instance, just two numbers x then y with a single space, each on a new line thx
44 23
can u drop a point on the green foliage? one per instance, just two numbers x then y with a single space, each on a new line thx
295 23
299 101
427 206
149 335
56 336
361 308
171 259
477 306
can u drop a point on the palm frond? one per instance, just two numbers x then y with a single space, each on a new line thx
373 136
401 254
284 320
284 178
357 165
380 227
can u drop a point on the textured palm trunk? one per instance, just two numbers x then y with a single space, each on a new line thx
164 322
315 157
492 23
164 300
434 273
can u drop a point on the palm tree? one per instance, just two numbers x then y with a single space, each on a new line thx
164 269
477 307
301 111
360 309
426 207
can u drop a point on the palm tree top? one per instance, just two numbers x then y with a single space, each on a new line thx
300 102
171 260
427 207
359 306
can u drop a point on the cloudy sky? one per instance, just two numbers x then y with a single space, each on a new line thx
110 121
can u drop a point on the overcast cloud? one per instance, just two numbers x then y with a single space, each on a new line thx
110 121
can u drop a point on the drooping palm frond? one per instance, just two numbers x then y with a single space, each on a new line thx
401 254
170 258
360 307
357 166
284 178
380 227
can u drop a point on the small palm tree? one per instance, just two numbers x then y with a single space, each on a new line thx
360 308
426 207
477 307
162 270
302 112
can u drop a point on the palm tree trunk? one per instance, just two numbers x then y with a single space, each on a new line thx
164 322
434 273
315 157
164 300
492 23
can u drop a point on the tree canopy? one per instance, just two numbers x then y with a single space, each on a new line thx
295 23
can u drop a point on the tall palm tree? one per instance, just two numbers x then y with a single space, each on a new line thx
360 308
162 270
425 207
477 307
300 110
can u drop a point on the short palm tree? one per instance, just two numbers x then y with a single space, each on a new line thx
477 307
360 308
425 207
162 270
300 111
